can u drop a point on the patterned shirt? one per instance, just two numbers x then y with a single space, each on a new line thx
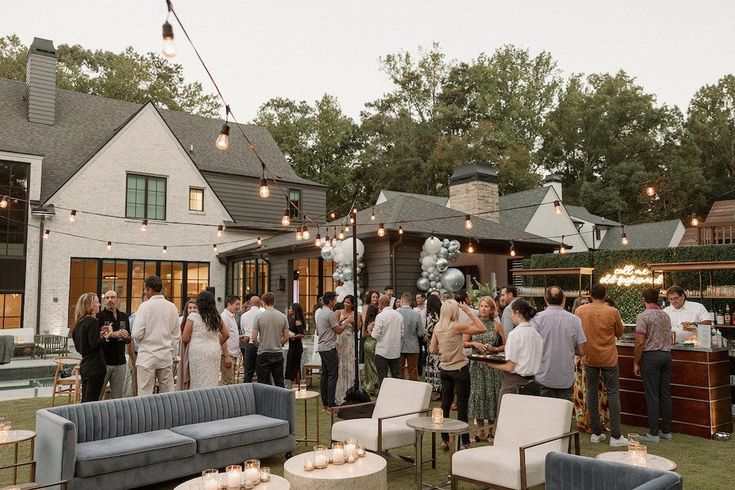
655 325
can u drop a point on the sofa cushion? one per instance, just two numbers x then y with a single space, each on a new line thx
127 452
237 431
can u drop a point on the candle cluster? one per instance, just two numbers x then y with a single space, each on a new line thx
237 476
5 427
342 452
637 452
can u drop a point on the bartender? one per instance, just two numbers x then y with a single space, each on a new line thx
684 314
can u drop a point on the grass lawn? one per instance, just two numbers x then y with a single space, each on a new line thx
704 464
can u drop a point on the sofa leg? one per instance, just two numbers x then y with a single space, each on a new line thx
289 455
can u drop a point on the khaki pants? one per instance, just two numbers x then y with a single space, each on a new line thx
147 380
228 373
116 376
409 366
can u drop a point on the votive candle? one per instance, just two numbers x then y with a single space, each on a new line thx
234 476
265 473
338 453
309 464
252 471
321 458
437 415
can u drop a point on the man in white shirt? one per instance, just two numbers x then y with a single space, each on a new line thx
388 331
684 313
250 350
156 330
507 295
231 348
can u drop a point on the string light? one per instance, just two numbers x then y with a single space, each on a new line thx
109 245
144 225
223 140
400 229
695 220
306 233
562 248
286 220
381 230
263 190
341 235
46 234
164 249
299 233
468 222
470 248
650 190
4 203
332 215
352 220
220 230
512 249
318 240
372 215
169 48
624 237
214 247
346 229
334 240
259 241
557 207
72 215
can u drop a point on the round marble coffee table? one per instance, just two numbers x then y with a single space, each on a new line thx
652 461
367 473
275 483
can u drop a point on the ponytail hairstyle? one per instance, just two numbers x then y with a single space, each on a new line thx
523 308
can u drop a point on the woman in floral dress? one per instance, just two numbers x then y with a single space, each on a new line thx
485 381
346 349
370 373
431 370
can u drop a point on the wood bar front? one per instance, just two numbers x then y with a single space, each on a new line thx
700 391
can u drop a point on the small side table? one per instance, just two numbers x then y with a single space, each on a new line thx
15 437
275 483
425 424
306 396
369 472
652 461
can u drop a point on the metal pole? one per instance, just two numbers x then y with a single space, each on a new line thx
354 290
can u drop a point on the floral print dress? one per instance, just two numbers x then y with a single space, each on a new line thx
484 380
431 370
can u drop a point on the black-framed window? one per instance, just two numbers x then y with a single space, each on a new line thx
314 278
11 310
14 212
248 276
145 197
294 196
196 199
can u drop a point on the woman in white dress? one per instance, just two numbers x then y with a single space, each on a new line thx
204 333
346 349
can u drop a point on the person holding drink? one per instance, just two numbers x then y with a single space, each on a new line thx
117 342
685 314
89 340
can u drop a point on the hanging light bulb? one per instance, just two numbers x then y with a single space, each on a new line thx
650 190
72 215
557 207
220 230
512 249
46 234
562 248
286 220
263 190
372 215
381 230
352 220
169 48
214 247
259 241
109 245
306 233
341 235
346 228
332 215
299 234
334 240
165 248
468 222
318 240
470 248
223 140
400 229
4 203
624 238
695 220
144 225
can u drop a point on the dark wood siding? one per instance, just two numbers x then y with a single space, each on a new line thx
408 269
239 195
377 264
280 268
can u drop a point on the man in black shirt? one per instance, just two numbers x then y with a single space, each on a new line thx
115 345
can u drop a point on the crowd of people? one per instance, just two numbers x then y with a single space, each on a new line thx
554 353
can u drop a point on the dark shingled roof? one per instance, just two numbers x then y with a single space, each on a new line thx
512 208
580 212
438 200
644 235
414 215
84 123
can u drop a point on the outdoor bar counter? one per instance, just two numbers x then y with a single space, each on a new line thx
700 390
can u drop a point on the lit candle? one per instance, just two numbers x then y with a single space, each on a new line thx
350 449
234 476
309 465
265 474
351 458
252 471
437 416
338 456
211 484
320 461
360 450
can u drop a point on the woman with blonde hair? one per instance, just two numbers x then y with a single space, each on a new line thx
485 381
448 340
88 341
183 374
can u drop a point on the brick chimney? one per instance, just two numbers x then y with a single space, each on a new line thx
473 189
553 180
41 82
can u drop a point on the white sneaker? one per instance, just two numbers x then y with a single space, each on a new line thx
619 442
597 439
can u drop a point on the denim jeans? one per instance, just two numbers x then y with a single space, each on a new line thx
329 373
656 373
270 364
456 382
611 377
562 393
249 356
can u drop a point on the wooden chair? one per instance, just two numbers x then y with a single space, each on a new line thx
70 385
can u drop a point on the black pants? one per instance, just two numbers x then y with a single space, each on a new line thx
329 373
456 382
270 364
293 360
422 355
382 365
562 393
249 355
93 380
656 373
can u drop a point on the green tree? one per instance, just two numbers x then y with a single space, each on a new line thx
128 76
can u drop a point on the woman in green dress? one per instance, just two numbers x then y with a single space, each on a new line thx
485 381
370 379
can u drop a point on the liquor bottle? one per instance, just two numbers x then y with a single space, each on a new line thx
728 316
720 318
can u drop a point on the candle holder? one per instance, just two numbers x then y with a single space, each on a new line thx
302 387
640 454
309 464
321 457
252 471
633 441
437 416
351 449
210 479
360 450
265 473
338 453
234 476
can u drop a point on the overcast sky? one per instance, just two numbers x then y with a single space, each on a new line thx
303 49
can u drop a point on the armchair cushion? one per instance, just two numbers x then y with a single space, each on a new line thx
127 452
237 431
399 396
395 434
497 465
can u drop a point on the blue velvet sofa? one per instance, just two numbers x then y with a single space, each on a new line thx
130 442
570 472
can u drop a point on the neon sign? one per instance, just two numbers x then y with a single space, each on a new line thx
630 275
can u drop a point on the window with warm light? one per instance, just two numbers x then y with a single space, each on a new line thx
145 197
11 310
196 199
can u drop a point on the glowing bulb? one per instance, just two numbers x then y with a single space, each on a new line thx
352 220
4 203
169 48
109 245
381 230
214 247
46 234
562 249
286 220
144 225
341 235
220 230
332 215
650 190
299 234
223 140
264 191
400 230
624 239
318 241
468 222
306 233
165 248
259 241
372 215
470 248
72 215
334 240
695 220
557 207
512 250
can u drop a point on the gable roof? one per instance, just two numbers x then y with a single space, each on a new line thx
645 235
580 212
519 207
438 200
84 123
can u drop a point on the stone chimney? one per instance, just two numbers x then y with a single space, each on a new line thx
473 189
553 180
41 82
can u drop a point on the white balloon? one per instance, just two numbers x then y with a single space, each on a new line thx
428 261
346 247
337 254
432 245
347 273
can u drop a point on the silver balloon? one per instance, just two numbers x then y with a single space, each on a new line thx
443 253
327 252
439 285
347 273
423 284
424 274
361 265
454 245
452 279
335 275
441 264
433 276
432 284
445 243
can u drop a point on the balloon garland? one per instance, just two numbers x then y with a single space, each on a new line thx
436 275
341 254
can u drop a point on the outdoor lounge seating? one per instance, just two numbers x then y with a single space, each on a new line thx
131 442
571 472
528 428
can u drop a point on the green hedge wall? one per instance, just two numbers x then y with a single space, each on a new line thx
629 299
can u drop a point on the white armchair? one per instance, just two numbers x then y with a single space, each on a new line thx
528 428
398 401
